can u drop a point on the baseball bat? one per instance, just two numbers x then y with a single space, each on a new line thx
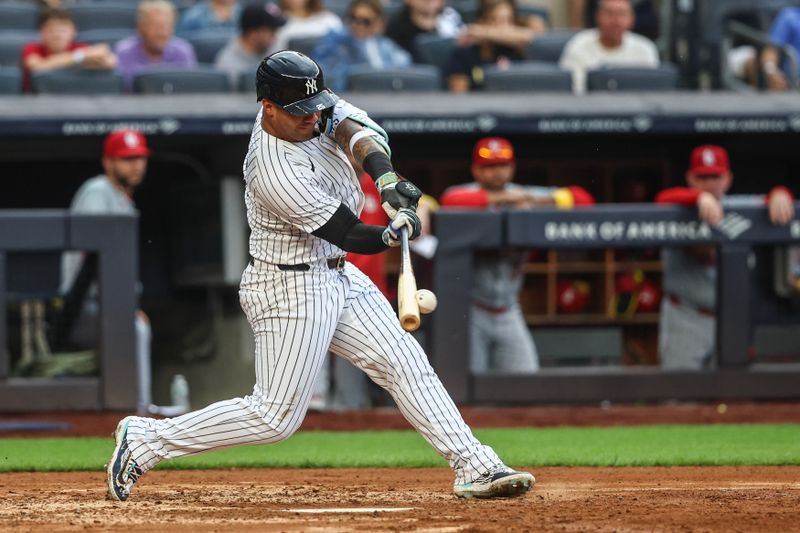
407 307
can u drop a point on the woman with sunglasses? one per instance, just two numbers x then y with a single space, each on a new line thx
360 43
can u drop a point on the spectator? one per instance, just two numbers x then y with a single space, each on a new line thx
244 53
687 329
582 14
57 48
305 18
499 335
423 16
125 154
611 43
495 39
210 15
361 43
785 31
155 43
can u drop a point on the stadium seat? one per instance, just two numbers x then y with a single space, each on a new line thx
663 78
109 36
11 43
338 6
10 80
527 76
80 81
104 15
208 44
434 50
549 46
247 82
467 8
170 80
304 45
415 78
18 16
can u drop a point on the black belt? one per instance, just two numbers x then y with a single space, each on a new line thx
334 263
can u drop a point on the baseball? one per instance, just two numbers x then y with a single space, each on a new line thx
426 300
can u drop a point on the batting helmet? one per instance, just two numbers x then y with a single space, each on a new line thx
294 82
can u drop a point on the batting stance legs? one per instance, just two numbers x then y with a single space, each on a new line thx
290 315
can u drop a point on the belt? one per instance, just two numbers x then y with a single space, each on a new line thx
490 309
675 299
334 263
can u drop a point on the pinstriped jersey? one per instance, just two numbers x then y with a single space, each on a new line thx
293 189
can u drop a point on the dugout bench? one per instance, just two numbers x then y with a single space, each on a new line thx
114 240
461 233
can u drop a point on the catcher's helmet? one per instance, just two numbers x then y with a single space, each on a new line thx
294 82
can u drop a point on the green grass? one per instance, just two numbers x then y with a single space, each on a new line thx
729 444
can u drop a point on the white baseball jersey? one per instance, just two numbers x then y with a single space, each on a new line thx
298 316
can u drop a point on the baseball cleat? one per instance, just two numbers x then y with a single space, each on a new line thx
503 483
122 470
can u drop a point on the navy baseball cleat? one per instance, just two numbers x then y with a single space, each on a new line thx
122 470
502 483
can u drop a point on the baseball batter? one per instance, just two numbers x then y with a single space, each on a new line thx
687 325
499 335
302 299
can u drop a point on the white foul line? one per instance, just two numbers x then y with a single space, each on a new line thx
352 510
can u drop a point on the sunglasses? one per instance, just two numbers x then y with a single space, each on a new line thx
361 21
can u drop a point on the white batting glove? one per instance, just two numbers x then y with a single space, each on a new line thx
406 218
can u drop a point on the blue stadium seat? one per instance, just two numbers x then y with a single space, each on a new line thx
526 10
208 44
338 6
528 76
18 16
663 78
77 81
171 80
414 78
104 15
110 36
247 82
10 80
549 46
434 50
304 45
11 43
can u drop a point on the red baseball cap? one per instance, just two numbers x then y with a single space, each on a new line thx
493 151
125 143
709 160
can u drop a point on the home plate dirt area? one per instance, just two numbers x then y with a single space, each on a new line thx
565 499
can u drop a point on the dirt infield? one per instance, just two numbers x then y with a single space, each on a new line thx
565 499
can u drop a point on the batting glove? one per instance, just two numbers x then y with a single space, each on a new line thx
397 193
406 218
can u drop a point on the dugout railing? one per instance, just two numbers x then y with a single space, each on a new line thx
114 241
462 233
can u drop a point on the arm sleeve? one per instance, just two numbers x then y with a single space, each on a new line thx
678 195
461 197
350 234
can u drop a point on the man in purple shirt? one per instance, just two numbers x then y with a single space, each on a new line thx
155 43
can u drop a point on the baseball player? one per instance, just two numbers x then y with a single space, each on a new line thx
499 335
687 326
302 298
125 154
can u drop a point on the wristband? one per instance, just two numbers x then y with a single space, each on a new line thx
78 56
770 67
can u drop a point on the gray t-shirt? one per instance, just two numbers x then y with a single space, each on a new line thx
96 196
234 60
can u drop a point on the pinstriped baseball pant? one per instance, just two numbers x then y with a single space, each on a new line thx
296 317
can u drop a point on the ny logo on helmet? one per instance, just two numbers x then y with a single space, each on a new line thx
311 86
